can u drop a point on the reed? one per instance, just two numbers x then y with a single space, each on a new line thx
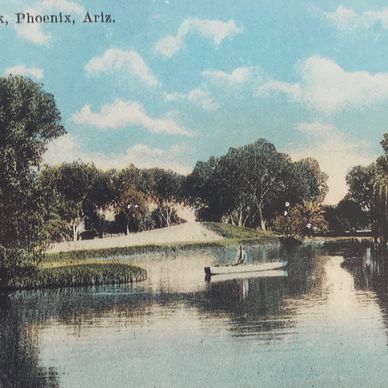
71 275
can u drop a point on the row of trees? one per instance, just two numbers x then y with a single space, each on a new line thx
247 186
250 185
80 194
368 187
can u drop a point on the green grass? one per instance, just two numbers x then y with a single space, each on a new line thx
80 268
111 253
232 235
238 232
54 274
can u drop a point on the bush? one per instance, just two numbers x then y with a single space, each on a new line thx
302 220
17 262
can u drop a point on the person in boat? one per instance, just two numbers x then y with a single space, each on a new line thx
242 256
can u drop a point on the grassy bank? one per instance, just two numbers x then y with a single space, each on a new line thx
229 231
231 234
52 274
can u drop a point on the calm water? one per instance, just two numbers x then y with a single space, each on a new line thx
324 324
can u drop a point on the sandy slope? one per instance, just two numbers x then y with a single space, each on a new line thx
189 231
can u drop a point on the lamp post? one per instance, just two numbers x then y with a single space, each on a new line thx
286 208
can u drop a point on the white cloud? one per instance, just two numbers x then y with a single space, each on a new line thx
327 88
197 96
62 5
66 149
129 61
346 19
26 71
214 30
237 76
33 32
336 153
125 113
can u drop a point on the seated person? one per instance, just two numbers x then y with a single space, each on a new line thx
241 257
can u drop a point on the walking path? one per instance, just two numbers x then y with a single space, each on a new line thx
189 231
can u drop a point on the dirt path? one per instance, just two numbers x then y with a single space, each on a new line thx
189 231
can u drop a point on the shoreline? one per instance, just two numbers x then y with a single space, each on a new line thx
100 266
165 249
191 235
76 274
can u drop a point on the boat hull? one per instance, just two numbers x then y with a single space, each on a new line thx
276 273
247 268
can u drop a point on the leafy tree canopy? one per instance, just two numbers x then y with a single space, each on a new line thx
250 183
29 119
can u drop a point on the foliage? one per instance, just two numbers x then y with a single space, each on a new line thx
351 215
302 220
77 191
165 189
379 211
308 182
17 262
205 189
130 208
29 118
347 216
85 274
384 142
360 183
248 185
369 187
260 174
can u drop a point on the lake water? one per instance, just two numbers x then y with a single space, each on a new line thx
321 324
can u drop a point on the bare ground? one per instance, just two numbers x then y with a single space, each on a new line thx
189 231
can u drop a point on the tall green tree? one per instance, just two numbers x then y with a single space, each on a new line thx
250 184
165 189
260 174
379 210
351 216
78 191
309 183
29 119
208 189
369 187
360 183
131 208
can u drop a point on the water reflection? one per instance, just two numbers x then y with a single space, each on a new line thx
369 268
19 351
175 318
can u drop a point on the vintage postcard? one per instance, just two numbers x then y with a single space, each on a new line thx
193 193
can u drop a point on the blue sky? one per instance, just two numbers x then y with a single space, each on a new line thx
173 82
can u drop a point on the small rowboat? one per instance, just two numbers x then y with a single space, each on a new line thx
244 268
276 273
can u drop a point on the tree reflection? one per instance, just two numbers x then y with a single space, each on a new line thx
255 304
370 272
250 306
19 354
369 268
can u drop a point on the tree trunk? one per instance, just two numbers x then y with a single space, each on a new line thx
262 220
164 216
74 232
168 218
245 221
240 219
